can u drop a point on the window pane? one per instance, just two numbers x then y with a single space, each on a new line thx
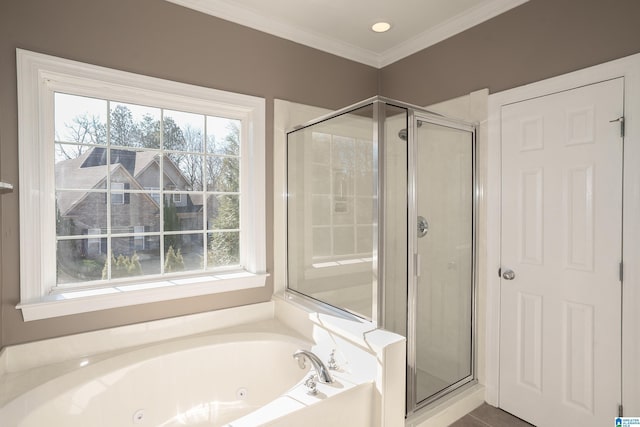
134 125
139 240
130 261
155 195
183 252
223 174
77 212
71 152
223 136
80 260
142 165
80 119
183 211
223 249
183 172
79 167
223 211
183 131
149 255
137 210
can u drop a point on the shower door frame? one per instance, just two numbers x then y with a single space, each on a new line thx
420 115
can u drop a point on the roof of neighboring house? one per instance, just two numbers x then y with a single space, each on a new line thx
89 178
96 175
89 171
144 159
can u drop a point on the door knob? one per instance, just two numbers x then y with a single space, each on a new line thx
509 275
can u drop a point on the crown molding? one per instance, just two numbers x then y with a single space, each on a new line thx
446 29
250 18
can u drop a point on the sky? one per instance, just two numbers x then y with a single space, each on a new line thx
69 106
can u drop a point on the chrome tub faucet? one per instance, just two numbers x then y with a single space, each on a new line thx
321 369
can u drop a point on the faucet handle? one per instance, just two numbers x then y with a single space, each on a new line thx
332 361
311 385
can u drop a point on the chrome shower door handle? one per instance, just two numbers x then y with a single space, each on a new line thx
509 275
423 226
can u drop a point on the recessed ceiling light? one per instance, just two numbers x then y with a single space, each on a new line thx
381 27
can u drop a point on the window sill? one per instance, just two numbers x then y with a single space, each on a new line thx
75 302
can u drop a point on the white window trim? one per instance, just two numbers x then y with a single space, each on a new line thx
39 76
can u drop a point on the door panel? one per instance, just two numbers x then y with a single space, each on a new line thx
561 236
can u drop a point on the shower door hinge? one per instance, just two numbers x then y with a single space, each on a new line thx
499 271
621 121
620 414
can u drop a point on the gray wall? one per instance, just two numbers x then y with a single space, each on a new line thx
537 40
163 40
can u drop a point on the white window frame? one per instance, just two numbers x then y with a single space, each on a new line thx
39 76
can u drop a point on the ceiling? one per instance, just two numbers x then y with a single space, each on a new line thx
343 27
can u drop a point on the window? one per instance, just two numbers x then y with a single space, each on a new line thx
117 191
157 185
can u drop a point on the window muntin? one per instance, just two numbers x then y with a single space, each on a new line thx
114 151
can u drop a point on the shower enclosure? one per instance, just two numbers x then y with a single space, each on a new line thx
380 223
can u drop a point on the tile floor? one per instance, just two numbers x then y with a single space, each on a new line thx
488 416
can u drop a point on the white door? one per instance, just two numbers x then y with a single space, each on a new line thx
560 333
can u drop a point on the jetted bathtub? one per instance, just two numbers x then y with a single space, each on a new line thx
234 378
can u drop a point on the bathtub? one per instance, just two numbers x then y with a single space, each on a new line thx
238 377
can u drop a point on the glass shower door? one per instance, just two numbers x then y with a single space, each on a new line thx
444 258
